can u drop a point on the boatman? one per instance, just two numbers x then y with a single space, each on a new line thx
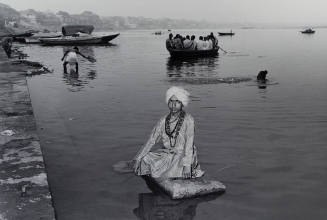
214 40
70 57
6 45
169 42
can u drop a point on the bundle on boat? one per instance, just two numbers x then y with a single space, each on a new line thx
73 29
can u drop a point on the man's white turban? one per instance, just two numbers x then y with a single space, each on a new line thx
181 94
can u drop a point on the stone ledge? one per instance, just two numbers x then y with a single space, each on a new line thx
24 190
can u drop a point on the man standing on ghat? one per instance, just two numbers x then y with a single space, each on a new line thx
6 45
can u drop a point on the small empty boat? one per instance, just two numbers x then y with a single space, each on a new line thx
226 33
308 31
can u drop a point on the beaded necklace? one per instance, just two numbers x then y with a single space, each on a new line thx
175 132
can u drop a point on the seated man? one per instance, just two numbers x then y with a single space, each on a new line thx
200 44
178 44
187 43
193 43
205 43
209 43
177 157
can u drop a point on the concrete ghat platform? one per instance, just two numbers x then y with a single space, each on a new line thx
24 190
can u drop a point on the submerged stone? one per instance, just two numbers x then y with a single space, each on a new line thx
187 188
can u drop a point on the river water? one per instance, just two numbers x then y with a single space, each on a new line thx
267 144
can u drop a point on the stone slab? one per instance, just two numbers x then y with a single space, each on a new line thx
188 188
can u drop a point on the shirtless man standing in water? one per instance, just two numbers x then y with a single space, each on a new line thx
70 57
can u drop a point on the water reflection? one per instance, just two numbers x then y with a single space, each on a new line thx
86 73
92 74
159 206
262 86
204 66
198 71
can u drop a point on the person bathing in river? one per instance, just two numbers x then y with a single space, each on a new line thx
70 57
177 157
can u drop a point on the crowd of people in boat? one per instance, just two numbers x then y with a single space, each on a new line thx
179 42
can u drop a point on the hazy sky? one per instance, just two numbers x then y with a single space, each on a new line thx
260 11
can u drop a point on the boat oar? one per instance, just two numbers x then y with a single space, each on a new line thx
91 59
223 49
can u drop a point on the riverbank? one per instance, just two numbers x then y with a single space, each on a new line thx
24 190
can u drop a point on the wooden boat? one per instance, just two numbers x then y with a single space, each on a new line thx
78 35
17 36
78 40
193 53
226 33
23 34
308 31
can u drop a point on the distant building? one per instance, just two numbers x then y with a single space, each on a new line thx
11 23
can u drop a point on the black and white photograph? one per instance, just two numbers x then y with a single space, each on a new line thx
163 110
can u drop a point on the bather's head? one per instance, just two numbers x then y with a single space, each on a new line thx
177 98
